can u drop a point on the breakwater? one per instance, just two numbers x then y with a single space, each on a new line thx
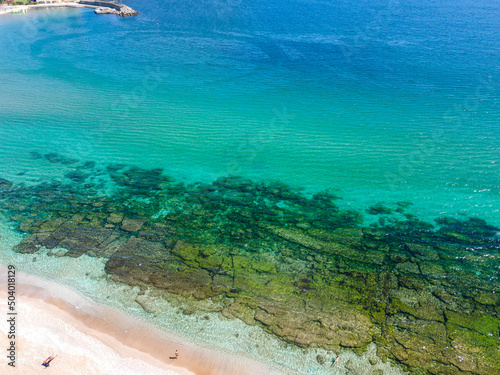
104 7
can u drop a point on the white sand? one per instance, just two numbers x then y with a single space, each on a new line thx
43 331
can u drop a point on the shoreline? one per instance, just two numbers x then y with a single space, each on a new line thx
84 278
74 4
127 337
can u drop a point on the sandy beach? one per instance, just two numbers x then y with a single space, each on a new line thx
93 339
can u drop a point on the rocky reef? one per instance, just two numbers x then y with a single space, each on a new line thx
427 294
105 7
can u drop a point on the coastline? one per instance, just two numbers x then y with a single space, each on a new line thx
87 4
54 319
16 8
356 220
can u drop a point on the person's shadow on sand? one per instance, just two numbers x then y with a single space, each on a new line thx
172 357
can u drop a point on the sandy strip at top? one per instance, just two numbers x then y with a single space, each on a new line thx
15 8
94 339
9 9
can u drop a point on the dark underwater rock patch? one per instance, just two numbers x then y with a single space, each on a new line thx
379 209
36 155
4 184
88 165
77 176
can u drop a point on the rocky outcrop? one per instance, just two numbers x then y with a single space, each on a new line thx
300 267
4 184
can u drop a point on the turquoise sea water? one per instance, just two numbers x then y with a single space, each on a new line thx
377 101
374 101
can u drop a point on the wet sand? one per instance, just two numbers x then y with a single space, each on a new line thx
95 339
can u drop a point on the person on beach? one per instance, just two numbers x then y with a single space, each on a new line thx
46 363
176 354
336 360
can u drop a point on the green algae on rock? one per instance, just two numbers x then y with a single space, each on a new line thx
300 267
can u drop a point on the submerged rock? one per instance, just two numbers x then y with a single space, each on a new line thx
115 218
77 176
299 267
54 157
320 359
379 209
